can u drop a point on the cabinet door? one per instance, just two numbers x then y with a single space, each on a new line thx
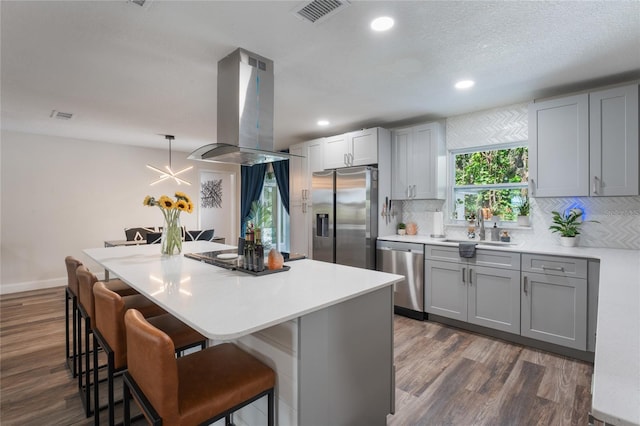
298 174
423 162
554 309
315 156
445 291
559 147
300 228
363 147
336 149
614 141
399 163
494 298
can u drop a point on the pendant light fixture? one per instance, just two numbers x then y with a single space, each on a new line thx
169 174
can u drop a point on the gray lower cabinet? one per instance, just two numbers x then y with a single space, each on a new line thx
482 295
554 301
445 290
494 298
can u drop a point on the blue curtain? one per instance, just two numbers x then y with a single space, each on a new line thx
252 181
281 170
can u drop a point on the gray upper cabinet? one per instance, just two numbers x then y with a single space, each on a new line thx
585 144
359 148
418 162
614 141
559 147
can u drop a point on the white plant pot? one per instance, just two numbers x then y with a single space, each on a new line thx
523 220
568 241
402 231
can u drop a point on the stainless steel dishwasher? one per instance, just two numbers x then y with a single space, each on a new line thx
404 259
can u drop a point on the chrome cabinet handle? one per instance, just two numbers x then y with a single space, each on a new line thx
532 185
409 191
351 159
464 270
525 285
346 162
553 268
595 185
304 207
470 276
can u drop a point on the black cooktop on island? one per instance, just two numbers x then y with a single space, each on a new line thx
225 259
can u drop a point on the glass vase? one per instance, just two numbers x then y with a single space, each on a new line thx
171 241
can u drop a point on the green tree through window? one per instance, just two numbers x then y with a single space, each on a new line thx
494 180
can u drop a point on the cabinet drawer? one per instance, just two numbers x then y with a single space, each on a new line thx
445 253
483 257
497 259
555 265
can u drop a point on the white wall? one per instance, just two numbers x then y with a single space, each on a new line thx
62 195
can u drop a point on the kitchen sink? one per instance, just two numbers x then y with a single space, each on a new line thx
482 243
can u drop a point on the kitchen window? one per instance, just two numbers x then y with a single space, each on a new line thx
271 216
495 180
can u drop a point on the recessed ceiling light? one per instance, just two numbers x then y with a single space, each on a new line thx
465 84
382 23
323 122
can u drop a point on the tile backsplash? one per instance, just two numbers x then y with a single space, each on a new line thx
618 217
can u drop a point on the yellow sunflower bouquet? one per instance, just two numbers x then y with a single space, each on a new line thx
172 232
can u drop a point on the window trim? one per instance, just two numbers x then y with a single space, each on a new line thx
468 150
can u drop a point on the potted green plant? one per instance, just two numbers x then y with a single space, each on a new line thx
523 212
568 226
402 228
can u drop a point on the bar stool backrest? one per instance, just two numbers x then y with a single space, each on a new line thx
109 313
152 364
86 280
72 279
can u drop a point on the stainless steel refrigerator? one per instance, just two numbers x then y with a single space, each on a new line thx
345 223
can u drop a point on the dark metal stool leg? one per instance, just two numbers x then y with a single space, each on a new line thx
87 387
74 309
270 408
96 386
126 394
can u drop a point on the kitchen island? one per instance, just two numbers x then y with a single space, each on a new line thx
326 329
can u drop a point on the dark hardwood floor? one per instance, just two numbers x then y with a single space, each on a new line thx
447 376
444 376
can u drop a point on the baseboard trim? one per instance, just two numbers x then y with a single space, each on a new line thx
37 285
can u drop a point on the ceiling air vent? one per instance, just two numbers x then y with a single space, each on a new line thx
319 10
61 115
142 3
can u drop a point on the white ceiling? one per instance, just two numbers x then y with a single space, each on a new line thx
130 73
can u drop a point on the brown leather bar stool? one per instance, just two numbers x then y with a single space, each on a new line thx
205 386
109 334
86 309
71 294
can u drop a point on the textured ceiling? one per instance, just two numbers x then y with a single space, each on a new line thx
130 73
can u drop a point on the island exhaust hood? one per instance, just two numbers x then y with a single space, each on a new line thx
245 112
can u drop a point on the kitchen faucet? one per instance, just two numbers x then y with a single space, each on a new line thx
481 234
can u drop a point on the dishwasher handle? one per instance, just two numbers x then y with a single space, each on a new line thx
401 250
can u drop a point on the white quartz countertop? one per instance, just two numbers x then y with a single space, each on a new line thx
616 379
223 304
